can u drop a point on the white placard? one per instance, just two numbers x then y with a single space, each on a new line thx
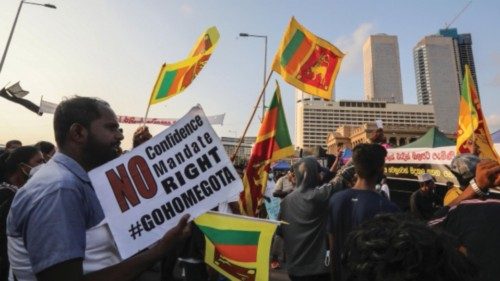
379 123
182 170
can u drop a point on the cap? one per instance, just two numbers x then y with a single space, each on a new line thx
464 165
425 177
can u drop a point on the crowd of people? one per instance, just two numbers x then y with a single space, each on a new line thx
340 221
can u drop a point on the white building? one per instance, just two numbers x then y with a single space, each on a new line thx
436 78
315 118
382 71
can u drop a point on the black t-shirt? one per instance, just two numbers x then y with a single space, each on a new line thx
347 210
423 205
476 224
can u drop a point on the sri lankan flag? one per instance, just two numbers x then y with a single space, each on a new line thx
473 133
307 62
236 246
174 78
272 143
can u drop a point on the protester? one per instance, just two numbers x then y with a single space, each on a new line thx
378 137
473 219
12 144
15 168
395 248
56 228
463 166
305 212
424 202
383 188
47 149
285 184
349 208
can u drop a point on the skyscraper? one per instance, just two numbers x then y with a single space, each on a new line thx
437 80
462 47
382 71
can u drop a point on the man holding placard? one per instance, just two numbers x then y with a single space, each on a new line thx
56 227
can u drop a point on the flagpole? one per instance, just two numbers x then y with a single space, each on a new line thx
251 117
146 115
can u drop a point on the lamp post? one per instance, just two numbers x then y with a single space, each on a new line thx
265 66
14 26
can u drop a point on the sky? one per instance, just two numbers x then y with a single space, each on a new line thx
114 49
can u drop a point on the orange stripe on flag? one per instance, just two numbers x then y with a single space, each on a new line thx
177 80
293 66
239 253
270 125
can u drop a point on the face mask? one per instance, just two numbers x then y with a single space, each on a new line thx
35 169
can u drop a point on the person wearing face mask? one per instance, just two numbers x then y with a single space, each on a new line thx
15 169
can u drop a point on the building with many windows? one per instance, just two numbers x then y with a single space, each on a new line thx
436 79
382 71
315 118
244 151
462 49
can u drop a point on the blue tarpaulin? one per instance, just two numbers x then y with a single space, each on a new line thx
281 166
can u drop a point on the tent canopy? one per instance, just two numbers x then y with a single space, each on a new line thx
433 138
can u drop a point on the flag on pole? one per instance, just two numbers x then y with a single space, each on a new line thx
236 246
16 90
307 62
47 107
273 143
174 78
473 134
15 94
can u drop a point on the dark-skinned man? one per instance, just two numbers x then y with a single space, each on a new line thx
56 228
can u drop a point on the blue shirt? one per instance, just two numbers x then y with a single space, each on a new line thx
347 210
50 215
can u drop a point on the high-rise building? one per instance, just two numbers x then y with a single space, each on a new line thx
382 71
436 78
462 48
315 118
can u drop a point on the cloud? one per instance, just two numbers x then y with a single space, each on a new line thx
186 9
493 122
352 46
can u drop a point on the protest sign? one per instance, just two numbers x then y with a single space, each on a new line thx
183 170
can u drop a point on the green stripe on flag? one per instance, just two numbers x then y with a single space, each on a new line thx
282 136
168 79
230 237
292 47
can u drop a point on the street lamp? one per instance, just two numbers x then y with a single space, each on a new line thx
265 65
14 26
